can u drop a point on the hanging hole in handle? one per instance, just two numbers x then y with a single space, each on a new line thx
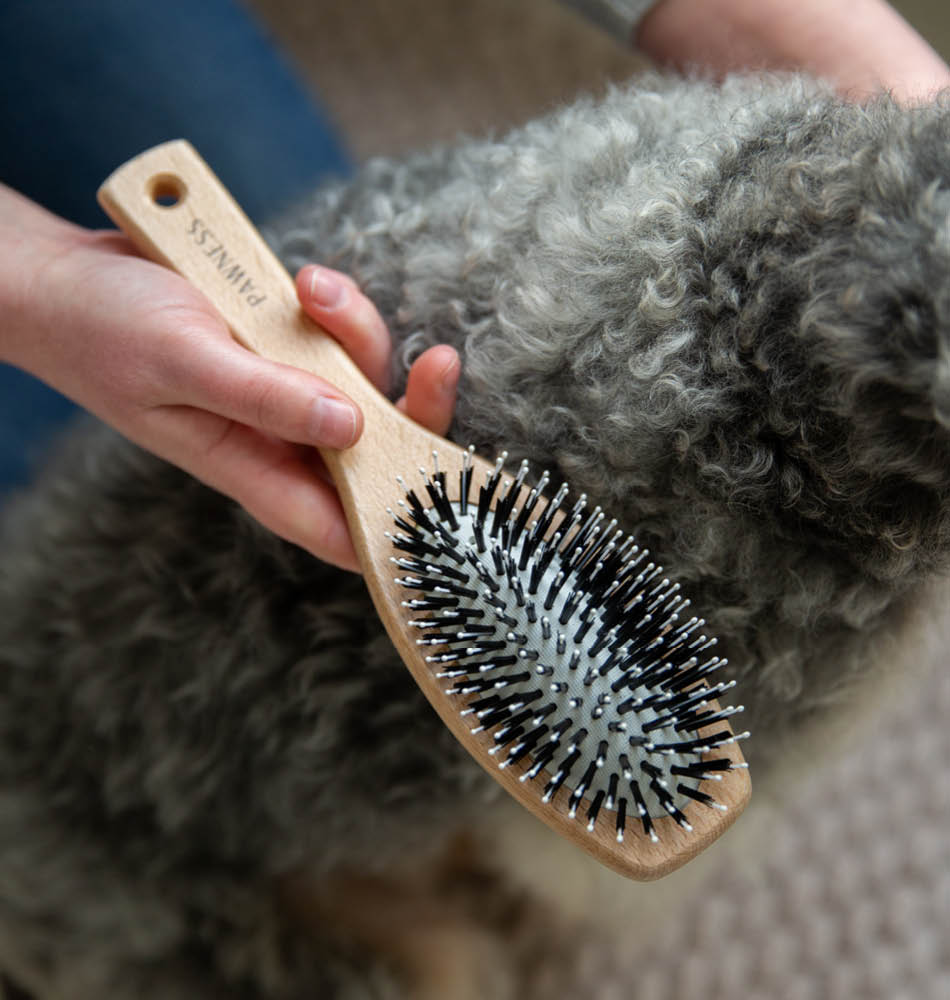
166 190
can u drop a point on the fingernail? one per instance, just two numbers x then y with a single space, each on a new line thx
448 380
333 422
326 288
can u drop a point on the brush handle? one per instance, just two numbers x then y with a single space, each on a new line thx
178 213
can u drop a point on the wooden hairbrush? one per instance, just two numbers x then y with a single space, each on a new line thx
548 642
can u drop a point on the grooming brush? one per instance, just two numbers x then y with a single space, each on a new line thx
552 646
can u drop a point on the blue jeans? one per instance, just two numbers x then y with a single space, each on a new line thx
84 87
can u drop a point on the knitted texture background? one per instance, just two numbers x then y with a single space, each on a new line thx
852 898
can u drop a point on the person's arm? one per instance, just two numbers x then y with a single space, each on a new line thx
861 46
135 344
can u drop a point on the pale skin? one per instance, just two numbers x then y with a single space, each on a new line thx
136 345
861 46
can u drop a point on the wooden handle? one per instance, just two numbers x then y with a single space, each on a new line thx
178 213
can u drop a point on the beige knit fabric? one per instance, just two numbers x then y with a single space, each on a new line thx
400 75
852 898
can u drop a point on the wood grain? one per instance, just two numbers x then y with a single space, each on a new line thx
178 213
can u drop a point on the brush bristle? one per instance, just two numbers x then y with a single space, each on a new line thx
568 646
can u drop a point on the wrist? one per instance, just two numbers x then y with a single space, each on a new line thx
32 244
619 18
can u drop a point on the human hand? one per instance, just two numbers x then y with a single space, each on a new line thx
863 47
137 345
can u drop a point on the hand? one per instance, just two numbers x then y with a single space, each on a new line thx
135 344
861 46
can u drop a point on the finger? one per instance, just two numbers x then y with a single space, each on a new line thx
281 400
335 301
274 481
431 388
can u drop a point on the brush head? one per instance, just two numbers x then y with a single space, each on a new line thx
567 649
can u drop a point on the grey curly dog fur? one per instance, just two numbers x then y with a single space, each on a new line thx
722 312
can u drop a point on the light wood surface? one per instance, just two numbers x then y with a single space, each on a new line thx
177 212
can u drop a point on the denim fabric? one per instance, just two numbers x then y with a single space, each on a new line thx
86 85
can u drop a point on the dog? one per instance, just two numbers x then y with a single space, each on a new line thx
721 311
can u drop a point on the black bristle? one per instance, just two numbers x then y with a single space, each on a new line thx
594 810
512 723
562 727
702 769
502 615
550 511
612 790
431 603
540 760
520 750
483 573
498 557
536 571
473 630
504 506
645 818
697 672
660 722
436 490
503 713
581 787
418 512
454 616
487 492
478 533
551 789
486 704
553 591
410 529
621 818
666 800
575 549
699 720
496 663
604 636
651 770
505 736
577 738
484 707
465 479
586 619
434 585
545 710
570 605
480 684
696 746
696 794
